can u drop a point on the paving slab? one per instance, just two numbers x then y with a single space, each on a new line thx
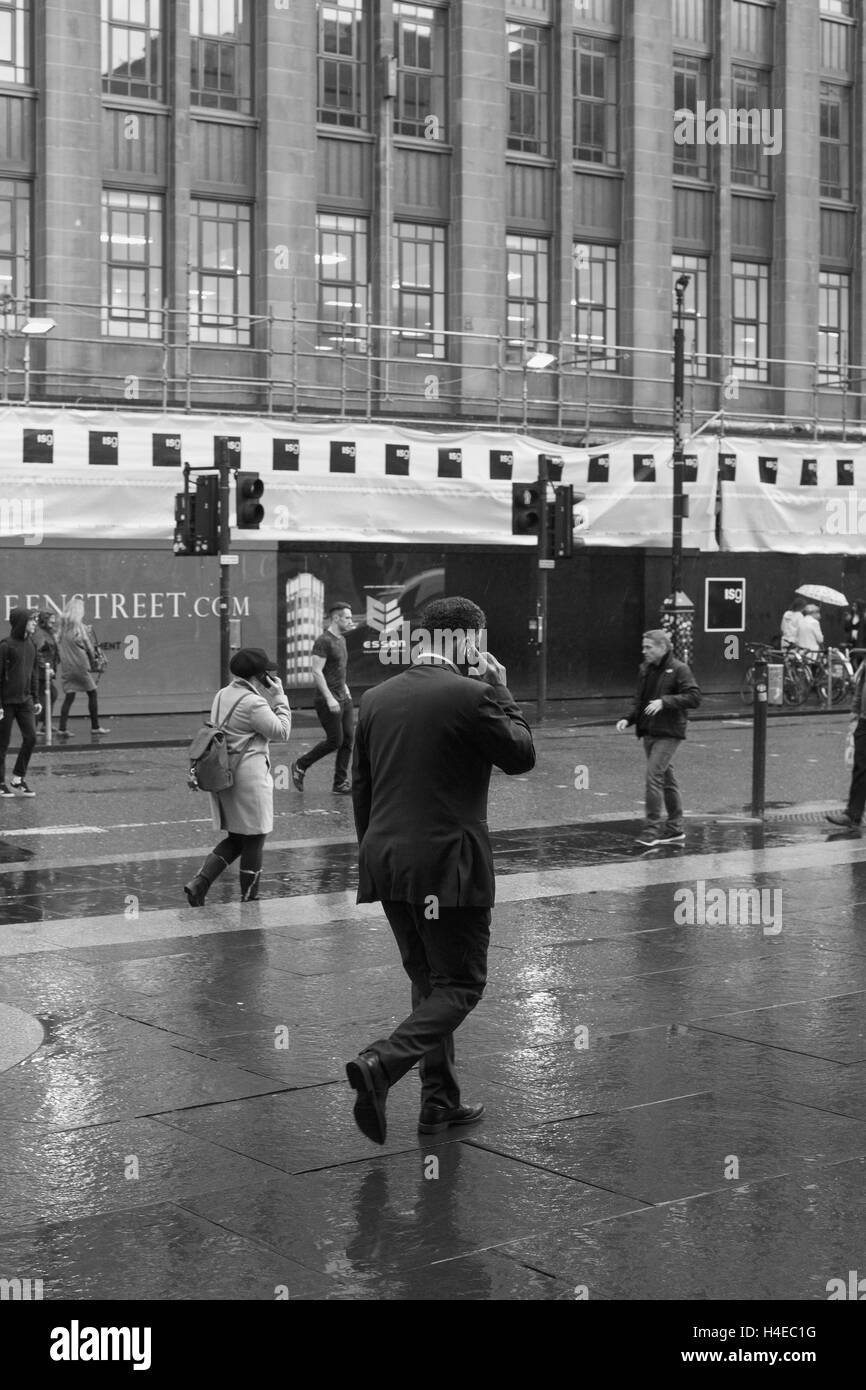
834 1028
663 1151
386 1215
157 1252
780 1240
50 1176
100 1068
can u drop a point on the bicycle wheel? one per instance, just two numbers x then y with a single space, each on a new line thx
795 685
747 689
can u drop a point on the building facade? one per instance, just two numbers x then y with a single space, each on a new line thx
464 211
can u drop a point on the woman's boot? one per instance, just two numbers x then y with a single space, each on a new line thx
196 889
250 885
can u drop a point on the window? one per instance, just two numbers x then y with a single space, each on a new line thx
527 89
694 310
343 64
220 54
14 253
595 304
749 320
527 296
418 290
14 40
839 7
690 20
835 141
132 48
750 88
832 327
419 44
343 282
595 100
131 264
691 85
219 288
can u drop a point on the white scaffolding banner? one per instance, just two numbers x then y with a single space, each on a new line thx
112 475
799 499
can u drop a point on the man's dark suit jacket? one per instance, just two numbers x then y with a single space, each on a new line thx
424 747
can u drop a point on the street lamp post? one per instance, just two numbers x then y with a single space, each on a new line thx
678 611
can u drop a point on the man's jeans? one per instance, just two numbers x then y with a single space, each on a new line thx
857 792
25 718
339 727
446 960
662 790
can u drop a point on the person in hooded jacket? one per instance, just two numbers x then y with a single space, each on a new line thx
19 697
251 710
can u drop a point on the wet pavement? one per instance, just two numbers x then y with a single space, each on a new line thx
671 1049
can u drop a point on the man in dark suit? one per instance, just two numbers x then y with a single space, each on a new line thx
425 745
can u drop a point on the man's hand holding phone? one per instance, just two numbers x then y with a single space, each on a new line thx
488 669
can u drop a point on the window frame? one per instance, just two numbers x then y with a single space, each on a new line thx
692 68
355 116
534 96
239 43
17 69
406 341
750 173
598 259
695 309
210 329
146 321
15 295
433 125
755 368
835 96
828 330
154 52
346 229
536 251
605 151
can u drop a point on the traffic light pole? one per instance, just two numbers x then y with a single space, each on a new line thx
225 573
545 563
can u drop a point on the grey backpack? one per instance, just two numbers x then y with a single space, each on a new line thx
209 769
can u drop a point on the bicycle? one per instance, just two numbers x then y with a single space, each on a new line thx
796 682
838 664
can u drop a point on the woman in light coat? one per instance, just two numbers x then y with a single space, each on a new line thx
251 710
77 651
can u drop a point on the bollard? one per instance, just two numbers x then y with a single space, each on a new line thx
49 676
759 741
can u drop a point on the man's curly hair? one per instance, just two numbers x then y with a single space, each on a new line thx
454 614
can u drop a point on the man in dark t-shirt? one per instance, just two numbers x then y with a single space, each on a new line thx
333 701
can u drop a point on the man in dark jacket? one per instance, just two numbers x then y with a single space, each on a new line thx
425 745
666 690
19 697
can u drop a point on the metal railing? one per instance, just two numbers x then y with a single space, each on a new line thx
306 368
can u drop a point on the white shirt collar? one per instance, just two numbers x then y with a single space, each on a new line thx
435 658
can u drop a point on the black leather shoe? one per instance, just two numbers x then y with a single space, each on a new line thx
842 818
366 1075
297 777
342 788
435 1118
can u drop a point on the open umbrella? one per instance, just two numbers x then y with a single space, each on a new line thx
820 593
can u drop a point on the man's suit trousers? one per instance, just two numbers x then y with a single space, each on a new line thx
445 957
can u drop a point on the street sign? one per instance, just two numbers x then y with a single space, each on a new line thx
724 605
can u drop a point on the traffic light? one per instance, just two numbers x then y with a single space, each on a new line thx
184 523
526 508
250 512
207 514
567 518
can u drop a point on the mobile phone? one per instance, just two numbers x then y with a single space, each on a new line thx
265 679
